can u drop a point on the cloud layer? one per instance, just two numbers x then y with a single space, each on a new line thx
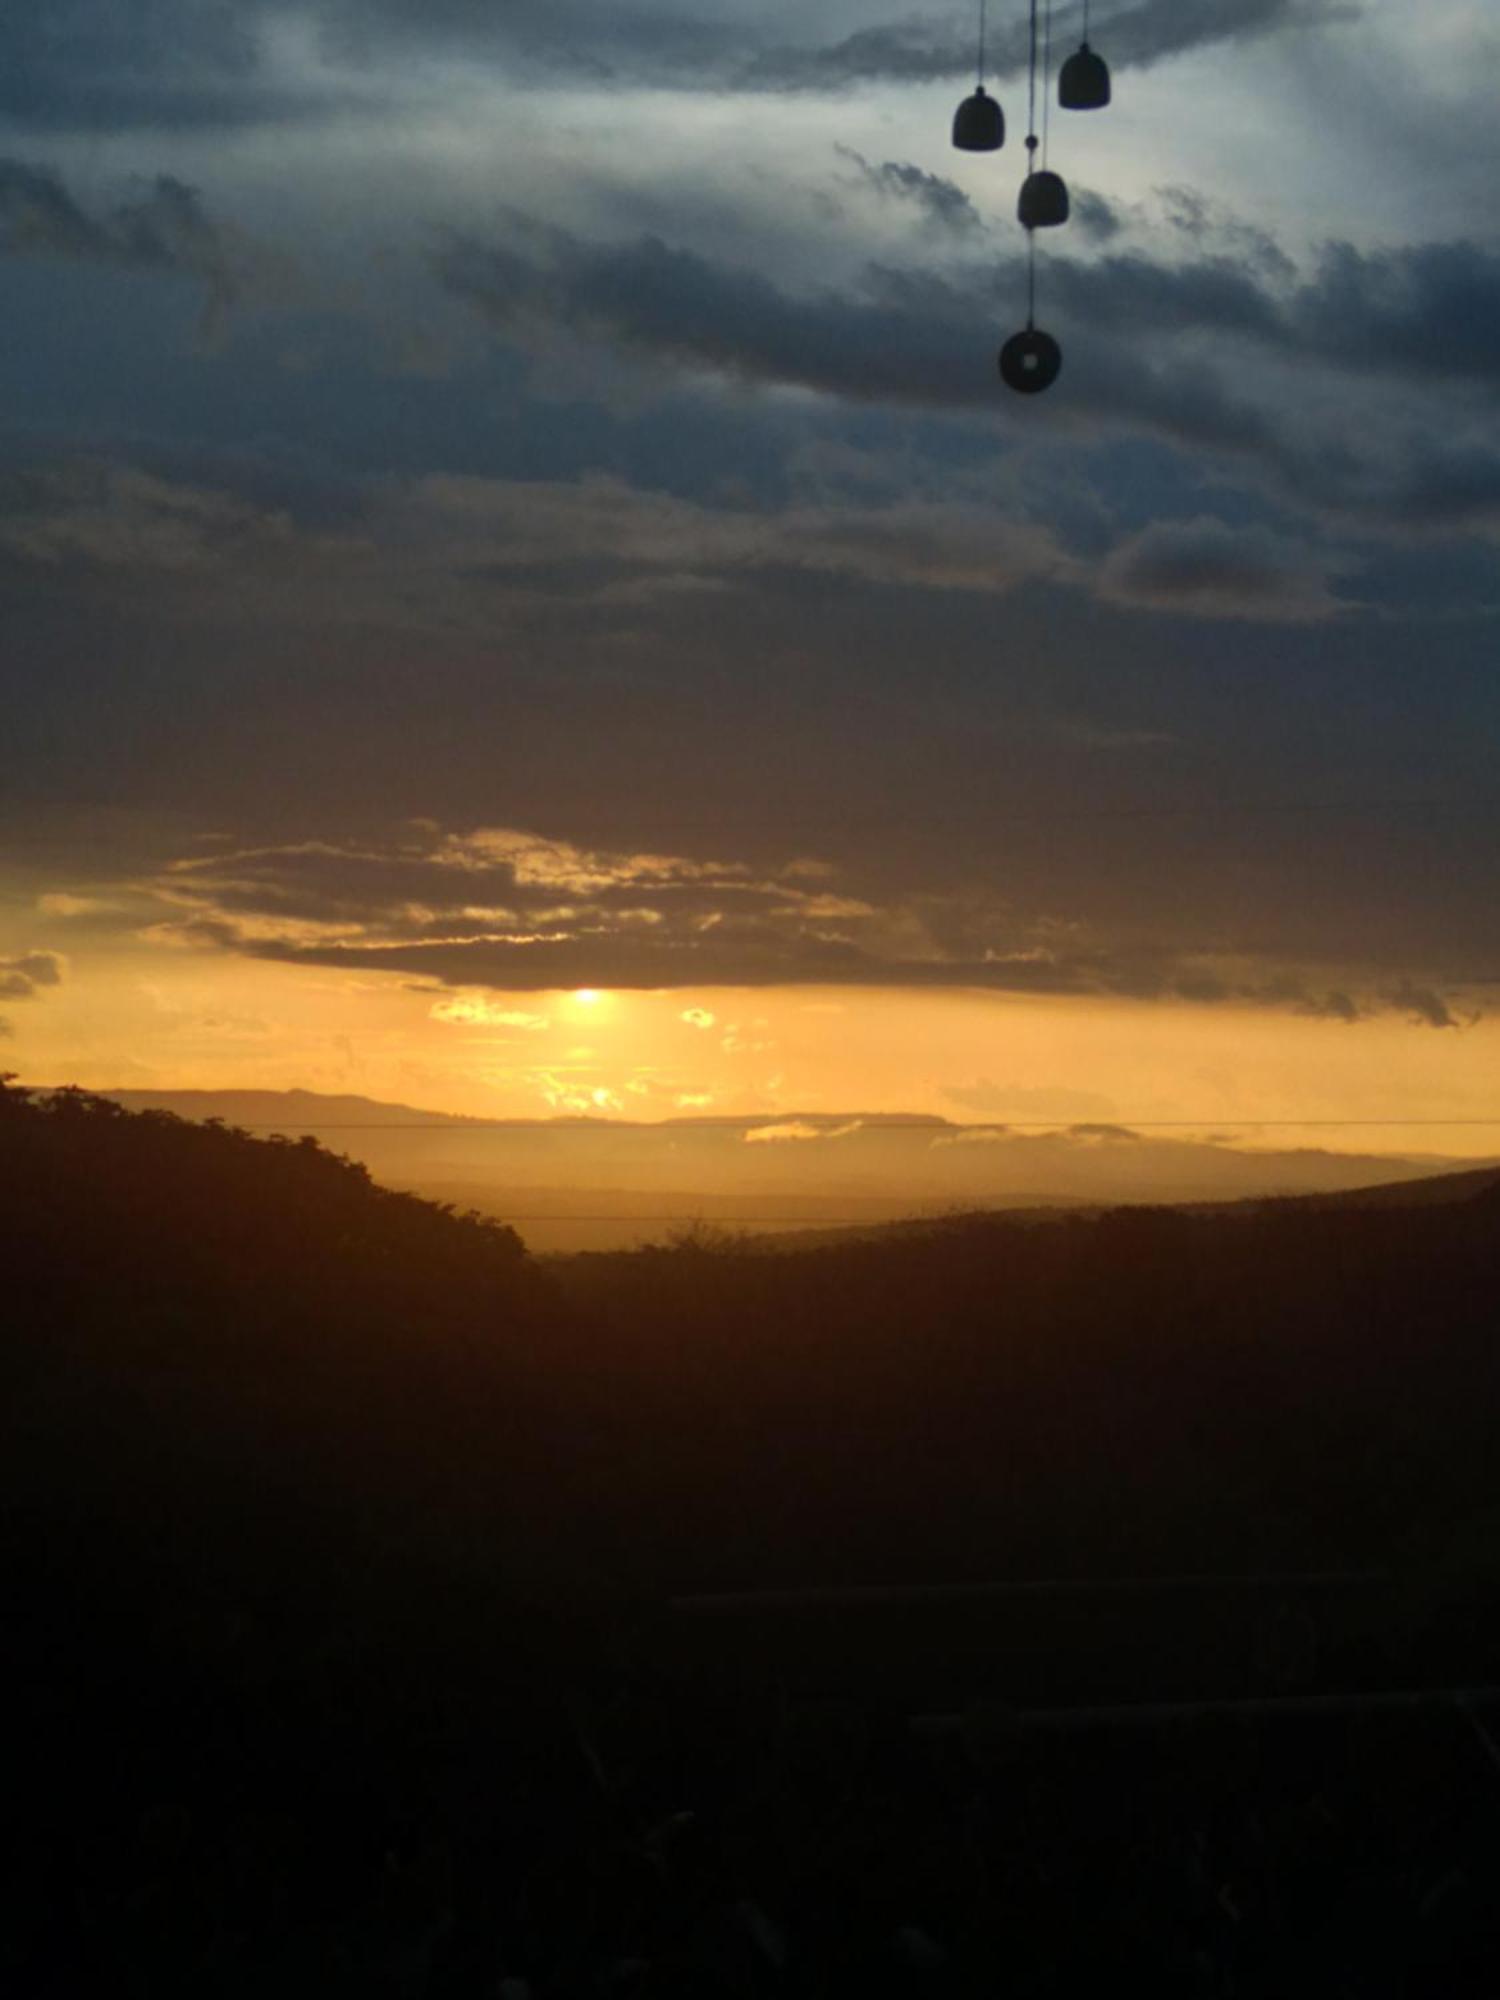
601 432
24 977
499 909
129 63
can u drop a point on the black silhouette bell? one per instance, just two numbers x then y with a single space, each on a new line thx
1030 361
1083 83
1044 200
979 124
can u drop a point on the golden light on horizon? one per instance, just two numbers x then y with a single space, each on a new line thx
145 1017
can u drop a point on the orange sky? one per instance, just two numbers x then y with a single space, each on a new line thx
167 1016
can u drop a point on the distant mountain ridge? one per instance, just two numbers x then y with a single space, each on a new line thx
571 1183
318 1109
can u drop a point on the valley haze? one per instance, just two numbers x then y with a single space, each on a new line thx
572 1184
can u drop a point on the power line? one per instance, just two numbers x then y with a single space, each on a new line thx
777 1221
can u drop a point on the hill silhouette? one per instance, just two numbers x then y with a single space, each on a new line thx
610 1183
971 1388
339 1541
204 1321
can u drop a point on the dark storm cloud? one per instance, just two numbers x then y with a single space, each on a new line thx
101 64
450 553
518 912
1093 216
938 200
906 336
1426 310
120 64
1203 566
1178 337
684 307
756 952
163 229
578 41
1423 1004
1213 229
1149 31
1446 486
22 978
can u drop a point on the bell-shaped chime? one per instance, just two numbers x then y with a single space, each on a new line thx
1083 81
979 123
1043 202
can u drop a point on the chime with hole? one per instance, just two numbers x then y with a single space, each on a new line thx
979 123
1030 361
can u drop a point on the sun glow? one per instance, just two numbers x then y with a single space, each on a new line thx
130 1014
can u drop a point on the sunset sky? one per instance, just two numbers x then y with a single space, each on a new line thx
521 591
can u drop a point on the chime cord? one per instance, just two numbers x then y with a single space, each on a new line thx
1030 170
1046 80
983 10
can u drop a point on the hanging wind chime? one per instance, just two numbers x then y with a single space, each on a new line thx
1031 360
1083 84
979 123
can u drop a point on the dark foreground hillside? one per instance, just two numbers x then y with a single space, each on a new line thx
340 1547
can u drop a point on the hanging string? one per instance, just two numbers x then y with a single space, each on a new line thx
1046 81
983 10
1085 19
1030 170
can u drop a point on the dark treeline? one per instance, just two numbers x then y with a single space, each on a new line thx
1148 1389
336 1534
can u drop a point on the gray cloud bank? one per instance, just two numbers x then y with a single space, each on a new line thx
452 552
1135 35
519 912
134 63
1165 347
163 229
